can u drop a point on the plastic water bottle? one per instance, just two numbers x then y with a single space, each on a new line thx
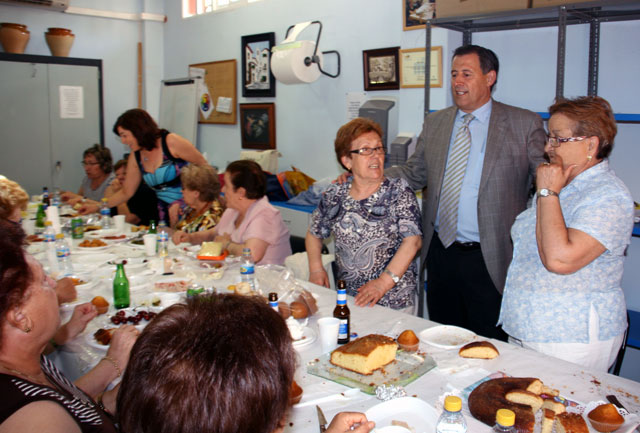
247 268
63 253
50 242
505 420
56 198
451 420
163 243
105 214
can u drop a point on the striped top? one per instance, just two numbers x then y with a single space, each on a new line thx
17 393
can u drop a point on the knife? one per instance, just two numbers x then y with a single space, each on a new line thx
322 421
613 399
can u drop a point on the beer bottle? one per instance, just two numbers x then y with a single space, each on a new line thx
41 216
120 288
273 301
342 313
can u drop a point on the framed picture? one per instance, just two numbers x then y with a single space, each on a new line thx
257 79
412 64
415 13
258 126
381 69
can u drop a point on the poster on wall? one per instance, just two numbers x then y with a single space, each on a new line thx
415 13
258 126
257 78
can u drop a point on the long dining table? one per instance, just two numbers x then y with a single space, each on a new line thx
451 375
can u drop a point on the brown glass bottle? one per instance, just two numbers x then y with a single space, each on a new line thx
342 313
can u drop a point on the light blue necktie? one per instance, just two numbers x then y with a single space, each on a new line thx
452 183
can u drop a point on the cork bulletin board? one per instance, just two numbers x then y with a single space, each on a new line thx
220 78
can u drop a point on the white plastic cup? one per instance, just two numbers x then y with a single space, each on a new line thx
150 241
328 327
29 226
119 223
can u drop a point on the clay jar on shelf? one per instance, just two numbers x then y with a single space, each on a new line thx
14 37
59 41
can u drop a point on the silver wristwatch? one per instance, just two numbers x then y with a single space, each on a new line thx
545 192
393 276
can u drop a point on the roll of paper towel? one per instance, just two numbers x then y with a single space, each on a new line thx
287 62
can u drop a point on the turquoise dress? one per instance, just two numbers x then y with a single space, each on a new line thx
165 180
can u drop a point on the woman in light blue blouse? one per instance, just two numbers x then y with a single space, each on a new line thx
563 296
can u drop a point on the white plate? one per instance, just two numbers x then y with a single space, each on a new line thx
418 414
90 260
92 249
308 337
446 336
188 282
101 233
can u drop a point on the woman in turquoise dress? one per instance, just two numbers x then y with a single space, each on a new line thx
157 157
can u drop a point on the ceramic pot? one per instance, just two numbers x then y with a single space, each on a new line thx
58 31
14 37
60 45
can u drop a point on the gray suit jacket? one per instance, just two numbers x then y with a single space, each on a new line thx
515 147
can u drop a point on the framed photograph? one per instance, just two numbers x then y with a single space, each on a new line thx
381 69
258 126
415 13
412 64
257 79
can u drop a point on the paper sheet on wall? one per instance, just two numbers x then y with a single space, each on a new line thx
354 102
205 102
71 102
224 104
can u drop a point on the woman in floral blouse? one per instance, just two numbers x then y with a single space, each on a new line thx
201 192
563 295
375 222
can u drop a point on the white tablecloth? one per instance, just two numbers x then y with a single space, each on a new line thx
453 373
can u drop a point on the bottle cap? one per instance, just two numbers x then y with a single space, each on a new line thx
104 199
47 223
60 236
505 417
452 403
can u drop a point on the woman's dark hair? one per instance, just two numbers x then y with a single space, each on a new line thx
219 363
248 175
118 165
201 178
15 273
349 132
141 125
593 117
488 59
102 155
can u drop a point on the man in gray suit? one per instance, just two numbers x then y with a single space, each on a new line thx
477 171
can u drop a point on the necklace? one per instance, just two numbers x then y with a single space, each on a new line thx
20 373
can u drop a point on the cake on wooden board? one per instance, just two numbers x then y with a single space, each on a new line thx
490 396
366 354
479 350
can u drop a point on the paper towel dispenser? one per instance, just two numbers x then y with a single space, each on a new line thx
294 62
383 111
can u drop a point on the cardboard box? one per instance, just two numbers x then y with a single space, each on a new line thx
453 8
545 3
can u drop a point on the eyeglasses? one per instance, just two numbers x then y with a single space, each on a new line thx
84 164
557 141
366 151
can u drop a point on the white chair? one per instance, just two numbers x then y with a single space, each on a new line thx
298 263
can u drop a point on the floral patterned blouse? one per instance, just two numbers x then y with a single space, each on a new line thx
368 234
190 221
540 306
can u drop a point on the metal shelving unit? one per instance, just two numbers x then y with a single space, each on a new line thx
592 13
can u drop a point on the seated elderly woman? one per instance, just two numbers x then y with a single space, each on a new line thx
235 379
201 193
142 207
98 167
249 221
35 395
375 221
563 296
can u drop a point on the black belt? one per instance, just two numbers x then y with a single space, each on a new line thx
466 246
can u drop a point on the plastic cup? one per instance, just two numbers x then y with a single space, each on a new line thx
119 223
150 241
29 226
328 327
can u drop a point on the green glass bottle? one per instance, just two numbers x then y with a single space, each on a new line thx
152 227
120 288
41 216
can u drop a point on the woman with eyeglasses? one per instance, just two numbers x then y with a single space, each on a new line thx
375 222
98 168
563 296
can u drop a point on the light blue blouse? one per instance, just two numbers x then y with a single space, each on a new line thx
544 307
